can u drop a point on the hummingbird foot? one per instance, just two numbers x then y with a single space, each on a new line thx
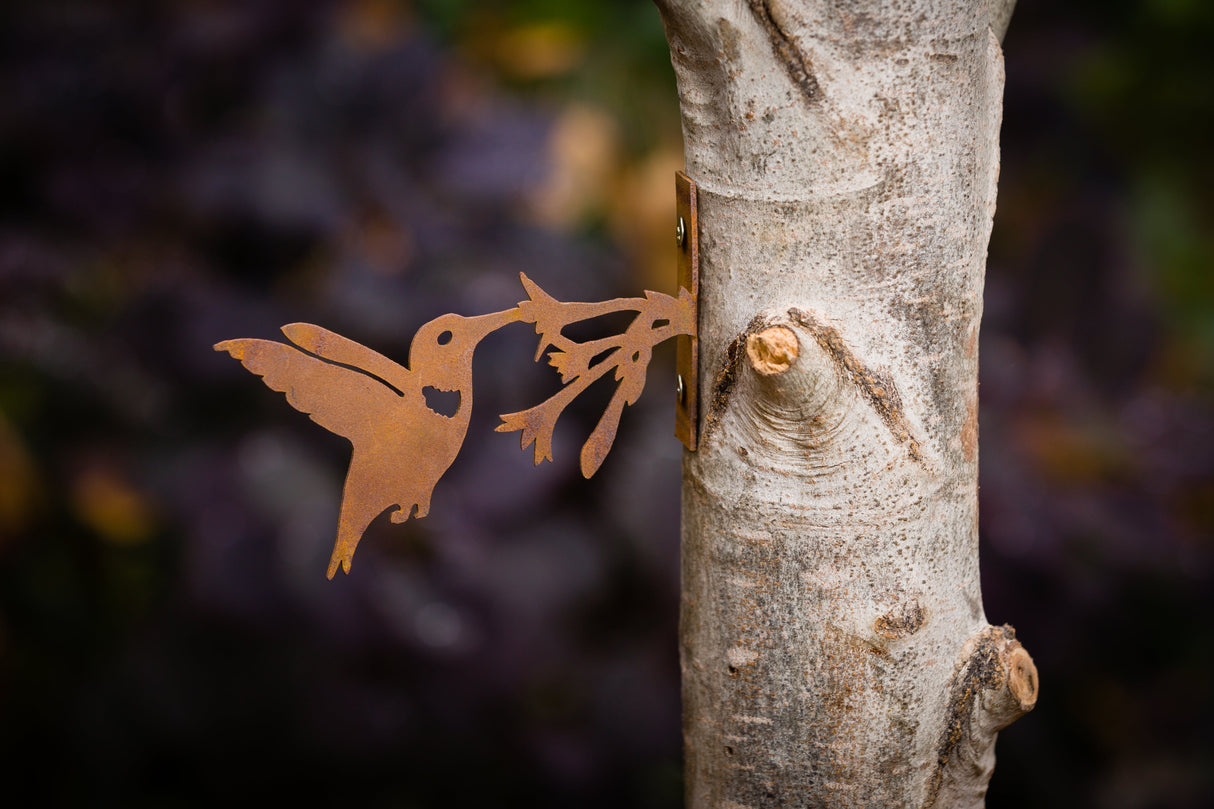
415 510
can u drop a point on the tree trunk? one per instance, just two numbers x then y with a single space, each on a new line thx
834 647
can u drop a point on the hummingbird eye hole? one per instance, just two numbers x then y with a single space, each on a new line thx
444 338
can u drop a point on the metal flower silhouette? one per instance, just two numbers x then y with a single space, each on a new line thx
402 447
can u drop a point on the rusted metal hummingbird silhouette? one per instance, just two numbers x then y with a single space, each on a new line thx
402 447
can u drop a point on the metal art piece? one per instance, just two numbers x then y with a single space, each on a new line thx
403 446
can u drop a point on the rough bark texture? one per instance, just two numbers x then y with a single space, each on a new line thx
834 647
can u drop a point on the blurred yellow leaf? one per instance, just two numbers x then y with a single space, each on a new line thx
1066 452
539 50
583 162
18 481
109 505
642 216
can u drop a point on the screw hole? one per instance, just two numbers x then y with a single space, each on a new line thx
445 338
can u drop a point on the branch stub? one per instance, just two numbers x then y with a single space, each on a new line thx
773 350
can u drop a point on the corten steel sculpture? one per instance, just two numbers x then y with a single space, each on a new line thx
402 446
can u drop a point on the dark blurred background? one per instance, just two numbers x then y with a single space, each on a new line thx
173 174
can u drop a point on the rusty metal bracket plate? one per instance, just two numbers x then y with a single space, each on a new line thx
687 382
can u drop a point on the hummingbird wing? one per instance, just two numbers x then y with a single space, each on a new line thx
335 348
340 399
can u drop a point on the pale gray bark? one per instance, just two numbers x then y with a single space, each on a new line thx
834 647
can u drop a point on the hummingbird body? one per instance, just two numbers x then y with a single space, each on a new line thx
401 447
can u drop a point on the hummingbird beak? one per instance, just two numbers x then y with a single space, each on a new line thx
480 326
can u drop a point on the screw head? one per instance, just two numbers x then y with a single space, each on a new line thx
680 389
680 232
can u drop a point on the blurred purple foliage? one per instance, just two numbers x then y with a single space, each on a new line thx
1097 404
176 174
